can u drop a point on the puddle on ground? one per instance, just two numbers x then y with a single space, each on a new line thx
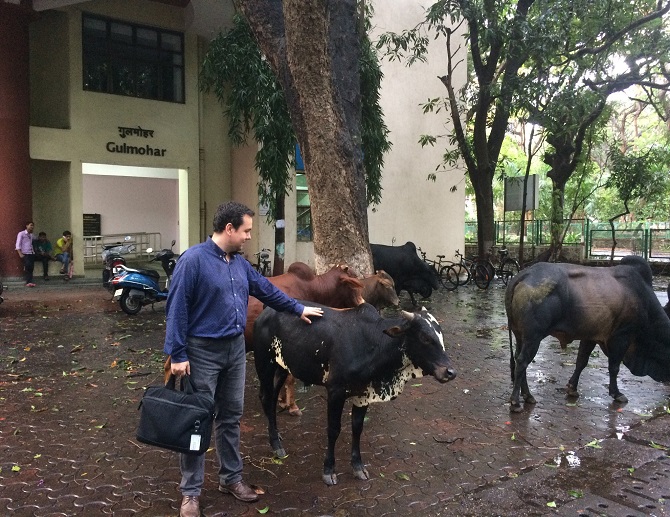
568 459
621 430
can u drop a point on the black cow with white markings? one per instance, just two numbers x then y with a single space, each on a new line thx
408 271
355 353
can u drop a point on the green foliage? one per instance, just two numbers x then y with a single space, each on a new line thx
243 81
374 132
640 177
235 70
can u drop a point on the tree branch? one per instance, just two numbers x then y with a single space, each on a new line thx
610 40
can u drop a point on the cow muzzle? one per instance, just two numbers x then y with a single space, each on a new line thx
444 373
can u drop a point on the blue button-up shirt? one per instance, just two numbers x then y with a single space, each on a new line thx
209 294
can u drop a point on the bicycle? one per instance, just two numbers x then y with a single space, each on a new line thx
506 268
262 264
443 269
469 269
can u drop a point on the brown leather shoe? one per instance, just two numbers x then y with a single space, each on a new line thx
241 491
190 506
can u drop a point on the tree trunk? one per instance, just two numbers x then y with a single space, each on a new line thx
563 162
557 207
483 188
315 53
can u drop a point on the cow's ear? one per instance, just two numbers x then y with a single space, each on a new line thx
354 283
394 331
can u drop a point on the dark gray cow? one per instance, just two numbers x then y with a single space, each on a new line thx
353 353
408 271
614 307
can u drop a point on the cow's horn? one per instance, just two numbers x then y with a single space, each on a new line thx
408 315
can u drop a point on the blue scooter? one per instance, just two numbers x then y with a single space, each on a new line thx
135 288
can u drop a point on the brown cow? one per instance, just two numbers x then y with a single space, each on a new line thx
337 287
379 290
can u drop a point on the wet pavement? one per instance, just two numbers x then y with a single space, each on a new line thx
73 368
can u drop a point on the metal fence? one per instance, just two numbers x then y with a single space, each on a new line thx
94 245
650 240
650 243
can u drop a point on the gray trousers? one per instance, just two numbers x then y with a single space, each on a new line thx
218 367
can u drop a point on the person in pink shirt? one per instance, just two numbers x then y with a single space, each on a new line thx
24 247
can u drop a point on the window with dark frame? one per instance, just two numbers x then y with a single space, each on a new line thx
134 60
304 217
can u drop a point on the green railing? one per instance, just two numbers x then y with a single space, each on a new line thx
650 240
537 233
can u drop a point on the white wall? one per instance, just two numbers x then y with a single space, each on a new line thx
129 205
413 208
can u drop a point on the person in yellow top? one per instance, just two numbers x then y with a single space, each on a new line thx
63 252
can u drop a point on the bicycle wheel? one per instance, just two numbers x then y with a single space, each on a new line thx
490 269
469 266
449 278
483 274
463 273
509 268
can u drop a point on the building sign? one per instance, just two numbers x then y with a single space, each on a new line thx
92 225
142 150
137 131
514 193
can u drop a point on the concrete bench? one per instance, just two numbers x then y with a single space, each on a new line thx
54 269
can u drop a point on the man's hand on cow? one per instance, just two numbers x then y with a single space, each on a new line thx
180 369
311 311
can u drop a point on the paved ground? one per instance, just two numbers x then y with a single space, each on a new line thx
73 368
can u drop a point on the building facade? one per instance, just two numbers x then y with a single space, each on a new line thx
102 117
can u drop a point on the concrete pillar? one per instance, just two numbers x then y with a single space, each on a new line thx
15 177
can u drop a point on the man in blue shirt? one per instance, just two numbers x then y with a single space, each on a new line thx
206 316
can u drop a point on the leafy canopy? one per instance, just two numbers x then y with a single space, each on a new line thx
235 70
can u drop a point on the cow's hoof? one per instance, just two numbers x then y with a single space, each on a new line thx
515 408
361 473
329 479
620 397
529 399
280 453
294 410
571 391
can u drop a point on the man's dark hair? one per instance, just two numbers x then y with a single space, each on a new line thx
66 233
230 212
42 233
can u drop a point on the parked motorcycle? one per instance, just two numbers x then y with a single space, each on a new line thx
112 257
135 288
